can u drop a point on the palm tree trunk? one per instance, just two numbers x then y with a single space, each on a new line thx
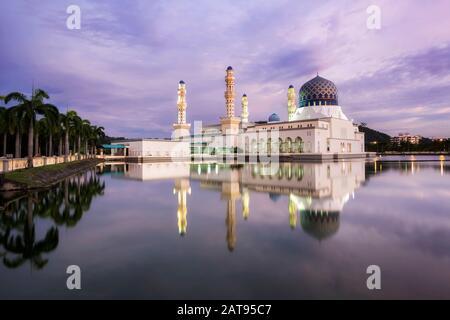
5 141
50 145
66 147
30 144
60 148
86 150
36 144
17 149
79 147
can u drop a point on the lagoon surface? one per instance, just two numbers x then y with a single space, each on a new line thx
217 231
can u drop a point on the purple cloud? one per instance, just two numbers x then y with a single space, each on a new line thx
122 68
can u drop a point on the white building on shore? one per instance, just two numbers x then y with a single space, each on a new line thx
316 129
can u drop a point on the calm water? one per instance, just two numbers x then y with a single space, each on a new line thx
214 231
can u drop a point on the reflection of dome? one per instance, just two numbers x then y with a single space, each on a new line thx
318 91
274 118
320 226
274 197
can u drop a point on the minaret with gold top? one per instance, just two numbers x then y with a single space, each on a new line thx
292 105
181 128
230 123
244 113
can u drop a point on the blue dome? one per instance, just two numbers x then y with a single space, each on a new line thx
274 197
274 118
318 91
230 68
182 82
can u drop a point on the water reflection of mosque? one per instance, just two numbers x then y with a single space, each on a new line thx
317 192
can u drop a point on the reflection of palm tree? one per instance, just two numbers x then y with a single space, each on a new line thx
25 247
64 204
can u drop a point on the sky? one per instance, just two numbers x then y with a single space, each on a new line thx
121 69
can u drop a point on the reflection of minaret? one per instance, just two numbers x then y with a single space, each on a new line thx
181 127
244 114
231 192
292 213
182 188
231 224
292 106
245 203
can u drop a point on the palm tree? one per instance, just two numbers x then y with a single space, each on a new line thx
85 134
4 127
77 132
68 122
50 122
29 108
16 128
97 134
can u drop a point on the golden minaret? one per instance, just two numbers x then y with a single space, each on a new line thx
181 127
230 123
292 105
244 114
181 103
229 92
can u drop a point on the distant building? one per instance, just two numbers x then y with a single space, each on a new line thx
406 138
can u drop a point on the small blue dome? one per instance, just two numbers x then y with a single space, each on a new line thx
274 197
274 118
181 82
230 68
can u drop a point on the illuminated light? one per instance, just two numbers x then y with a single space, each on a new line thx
442 157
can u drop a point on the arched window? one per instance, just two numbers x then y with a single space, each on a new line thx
288 145
298 145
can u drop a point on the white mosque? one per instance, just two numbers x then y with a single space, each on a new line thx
316 129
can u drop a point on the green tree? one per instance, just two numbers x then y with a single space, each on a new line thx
68 123
29 108
4 127
97 135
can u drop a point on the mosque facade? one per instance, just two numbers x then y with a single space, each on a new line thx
316 126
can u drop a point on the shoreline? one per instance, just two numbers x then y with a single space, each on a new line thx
43 177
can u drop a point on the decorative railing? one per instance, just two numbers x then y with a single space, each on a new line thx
7 165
